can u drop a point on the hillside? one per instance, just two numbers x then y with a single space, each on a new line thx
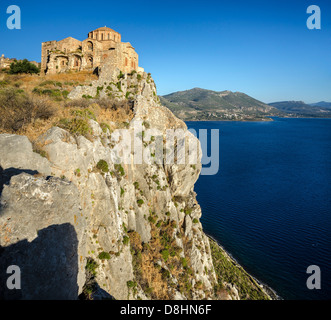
322 104
301 109
202 104
81 217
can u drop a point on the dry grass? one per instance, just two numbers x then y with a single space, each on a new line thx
20 110
29 82
26 109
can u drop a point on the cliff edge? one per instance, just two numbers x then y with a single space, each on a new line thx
92 208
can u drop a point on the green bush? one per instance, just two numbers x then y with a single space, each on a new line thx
195 220
184 262
165 254
120 169
126 240
23 67
103 166
140 202
188 211
104 256
120 76
131 284
75 126
90 266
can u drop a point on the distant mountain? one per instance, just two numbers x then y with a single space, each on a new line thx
202 104
301 109
322 104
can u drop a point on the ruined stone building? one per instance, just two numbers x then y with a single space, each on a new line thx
6 62
73 55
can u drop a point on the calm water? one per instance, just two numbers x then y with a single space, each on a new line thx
270 203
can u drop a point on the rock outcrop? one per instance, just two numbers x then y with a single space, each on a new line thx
83 210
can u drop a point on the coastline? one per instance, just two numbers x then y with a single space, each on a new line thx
271 293
254 120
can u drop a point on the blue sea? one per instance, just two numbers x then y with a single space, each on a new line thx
269 205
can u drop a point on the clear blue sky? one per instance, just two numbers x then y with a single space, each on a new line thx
262 48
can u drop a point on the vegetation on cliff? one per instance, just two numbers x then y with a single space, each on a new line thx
228 271
138 233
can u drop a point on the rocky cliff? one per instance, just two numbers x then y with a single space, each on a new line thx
79 220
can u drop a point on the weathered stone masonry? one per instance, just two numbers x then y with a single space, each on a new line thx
73 55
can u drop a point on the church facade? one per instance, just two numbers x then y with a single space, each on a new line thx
102 44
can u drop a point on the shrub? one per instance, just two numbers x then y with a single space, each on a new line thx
188 211
85 114
152 219
119 86
104 256
121 75
18 109
140 202
158 225
195 220
131 284
77 172
146 124
105 127
120 169
103 166
90 266
184 262
23 67
126 240
75 126
165 274
149 290
80 103
165 254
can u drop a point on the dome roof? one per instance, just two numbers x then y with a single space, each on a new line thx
105 29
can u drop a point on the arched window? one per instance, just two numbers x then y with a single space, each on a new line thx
90 46
90 62
77 61
126 62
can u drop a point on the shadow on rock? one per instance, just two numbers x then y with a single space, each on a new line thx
48 265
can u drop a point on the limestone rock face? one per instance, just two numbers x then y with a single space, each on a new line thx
137 221
41 232
16 152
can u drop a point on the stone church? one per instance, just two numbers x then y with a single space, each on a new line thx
103 44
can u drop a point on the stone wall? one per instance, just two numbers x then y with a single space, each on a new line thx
73 55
